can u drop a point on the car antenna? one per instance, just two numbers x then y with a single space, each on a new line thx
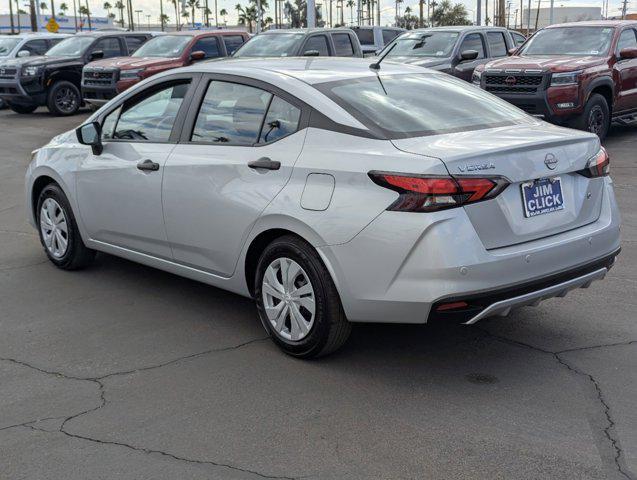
376 65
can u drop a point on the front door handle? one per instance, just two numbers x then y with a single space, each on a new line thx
266 163
148 166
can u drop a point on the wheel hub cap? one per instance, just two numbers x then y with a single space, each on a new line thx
54 228
288 298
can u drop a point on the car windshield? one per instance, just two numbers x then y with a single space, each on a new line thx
443 105
425 44
71 47
270 45
169 46
570 41
7 44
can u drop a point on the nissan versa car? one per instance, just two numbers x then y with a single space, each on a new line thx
331 194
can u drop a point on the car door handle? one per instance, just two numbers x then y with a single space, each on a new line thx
148 165
266 163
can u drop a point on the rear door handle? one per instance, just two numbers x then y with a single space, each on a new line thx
266 163
148 166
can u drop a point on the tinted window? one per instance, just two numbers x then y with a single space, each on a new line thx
497 44
319 43
110 47
518 39
389 35
365 35
444 104
282 119
627 40
133 43
169 46
425 44
36 47
150 118
473 41
71 47
208 45
231 113
569 41
232 42
343 45
271 45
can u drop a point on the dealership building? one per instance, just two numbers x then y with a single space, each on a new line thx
65 22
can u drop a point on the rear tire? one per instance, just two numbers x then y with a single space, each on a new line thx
22 109
58 230
596 116
64 99
325 329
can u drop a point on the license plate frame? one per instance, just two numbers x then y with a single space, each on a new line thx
539 196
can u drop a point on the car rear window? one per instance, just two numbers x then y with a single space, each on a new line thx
343 45
389 35
365 35
497 44
387 104
233 42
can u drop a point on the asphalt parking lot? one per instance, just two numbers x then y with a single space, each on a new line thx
122 371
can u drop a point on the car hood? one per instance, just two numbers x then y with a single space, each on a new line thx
561 63
40 61
421 62
126 63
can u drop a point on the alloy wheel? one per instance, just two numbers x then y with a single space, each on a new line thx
596 120
66 100
54 228
288 298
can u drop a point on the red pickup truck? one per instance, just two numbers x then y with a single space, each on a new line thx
582 75
104 79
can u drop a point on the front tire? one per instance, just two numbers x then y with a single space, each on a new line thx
59 234
596 116
297 301
22 109
64 99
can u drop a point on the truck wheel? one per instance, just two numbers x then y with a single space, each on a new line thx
596 116
23 109
64 99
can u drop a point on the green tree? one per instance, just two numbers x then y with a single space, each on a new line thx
224 13
351 4
107 6
448 14
63 8
176 7
194 5
43 6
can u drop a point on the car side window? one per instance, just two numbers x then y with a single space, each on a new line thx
110 46
282 120
389 35
233 42
54 41
497 44
36 47
518 39
149 117
318 43
627 39
208 45
231 113
343 45
133 43
473 41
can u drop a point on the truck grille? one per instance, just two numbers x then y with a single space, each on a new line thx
8 73
100 78
512 83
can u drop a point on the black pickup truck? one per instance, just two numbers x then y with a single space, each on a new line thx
55 78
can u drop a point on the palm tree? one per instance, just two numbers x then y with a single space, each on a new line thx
350 4
224 13
164 19
63 8
193 4
185 14
107 6
43 6
119 5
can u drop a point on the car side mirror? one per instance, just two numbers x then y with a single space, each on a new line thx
96 55
511 51
91 134
311 53
468 55
626 53
24 53
198 55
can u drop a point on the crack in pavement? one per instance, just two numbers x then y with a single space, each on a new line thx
609 431
103 402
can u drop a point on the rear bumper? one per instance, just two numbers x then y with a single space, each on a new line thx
403 265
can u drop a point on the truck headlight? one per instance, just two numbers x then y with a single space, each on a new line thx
476 77
31 71
130 74
566 78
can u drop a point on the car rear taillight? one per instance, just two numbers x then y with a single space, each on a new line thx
598 166
423 193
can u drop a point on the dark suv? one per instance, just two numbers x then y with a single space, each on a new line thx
55 79
302 42
453 50
581 75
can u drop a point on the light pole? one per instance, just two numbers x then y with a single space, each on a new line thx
148 20
139 23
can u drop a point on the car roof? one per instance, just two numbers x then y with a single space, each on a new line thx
40 35
595 23
458 28
310 70
201 33
304 30
112 33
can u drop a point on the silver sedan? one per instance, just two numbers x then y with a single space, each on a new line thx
331 193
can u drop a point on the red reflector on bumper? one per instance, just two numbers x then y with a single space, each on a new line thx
451 306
